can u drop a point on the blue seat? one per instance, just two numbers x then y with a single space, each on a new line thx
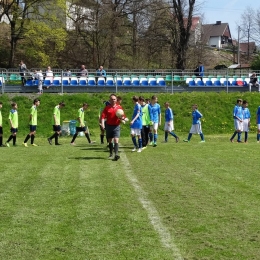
92 82
226 83
209 83
245 84
83 82
74 82
65 82
153 83
101 82
35 82
200 83
29 83
192 83
127 82
110 83
136 83
217 83
56 83
144 83
46 83
234 83
119 82
162 83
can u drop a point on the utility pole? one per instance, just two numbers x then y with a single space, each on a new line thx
238 46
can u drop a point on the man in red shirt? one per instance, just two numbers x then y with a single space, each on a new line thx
112 125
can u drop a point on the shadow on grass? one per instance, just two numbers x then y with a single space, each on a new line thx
87 158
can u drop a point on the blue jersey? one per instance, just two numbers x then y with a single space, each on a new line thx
168 114
196 115
155 112
258 115
138 124
246 113
238 112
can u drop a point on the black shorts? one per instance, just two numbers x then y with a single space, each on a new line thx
81 129
1 130
112 131
33 128
56 128
14 130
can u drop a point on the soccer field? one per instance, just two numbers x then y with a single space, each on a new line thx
174 201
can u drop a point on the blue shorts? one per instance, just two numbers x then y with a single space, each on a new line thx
56 128
33 128
81 129
14 130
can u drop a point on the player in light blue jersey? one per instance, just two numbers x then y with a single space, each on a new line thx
246 119
136 125
155 120
238 121
196 124
169 125
258 124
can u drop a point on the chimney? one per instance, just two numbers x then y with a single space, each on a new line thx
218 22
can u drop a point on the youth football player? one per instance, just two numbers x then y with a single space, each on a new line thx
169 125
136 125
238 121
13 120
258 124
56 123
80 125
155 120
32 123
196 124
246 119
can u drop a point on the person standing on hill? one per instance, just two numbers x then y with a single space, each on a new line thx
56 123
32 123
196 124
169 125
80 125
22 69
238 121
13 120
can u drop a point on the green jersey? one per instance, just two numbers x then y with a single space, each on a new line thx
146 115
13 117
56 112
33 114
1 119
81 117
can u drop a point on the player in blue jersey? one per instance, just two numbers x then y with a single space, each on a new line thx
246 119
196 124
258 124
136 125
238 121
155 120
169 125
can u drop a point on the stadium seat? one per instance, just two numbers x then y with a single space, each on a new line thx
91 82
65 82
13 77
56 82
226 83
144 82
29 83
110 83
74 82
234 83
162 83
192 83
83 82
127 82
217 83
46 83
209 83
119 82
35 82
101 82
188 80
200 83
136 82
213 80
153 83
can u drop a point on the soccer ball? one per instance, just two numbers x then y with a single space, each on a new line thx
119 113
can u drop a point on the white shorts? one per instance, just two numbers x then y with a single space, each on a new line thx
258 126
238 125
196 129
245 125
154 126
169 127
135 131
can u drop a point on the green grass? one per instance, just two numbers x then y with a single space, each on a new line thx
64 202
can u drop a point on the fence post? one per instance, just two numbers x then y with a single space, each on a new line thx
116 81
62 82
172 82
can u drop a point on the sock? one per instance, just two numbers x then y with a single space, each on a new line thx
74 137
53 136
166 136
10 138
102 139
173 134
155 137
233 136
87 136
32 139
246 136
151 136
134 141
1 140
189 136
111 148
202 136
239 136
14 139
26 138
56 137
140 143
116 148
258 137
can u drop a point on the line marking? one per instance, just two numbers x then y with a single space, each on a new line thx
166 239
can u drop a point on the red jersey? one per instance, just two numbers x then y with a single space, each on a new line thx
109 113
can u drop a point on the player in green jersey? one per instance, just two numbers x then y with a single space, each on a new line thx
56 123
32 123
1 127
13 120
80 125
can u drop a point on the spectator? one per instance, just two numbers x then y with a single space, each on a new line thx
49 74
22 69
253 80
101 72
83 71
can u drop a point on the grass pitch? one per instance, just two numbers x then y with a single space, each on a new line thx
175 201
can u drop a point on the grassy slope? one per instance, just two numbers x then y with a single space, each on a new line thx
216 108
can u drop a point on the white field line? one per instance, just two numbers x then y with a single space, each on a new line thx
166 239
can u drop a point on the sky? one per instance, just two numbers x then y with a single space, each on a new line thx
226 11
